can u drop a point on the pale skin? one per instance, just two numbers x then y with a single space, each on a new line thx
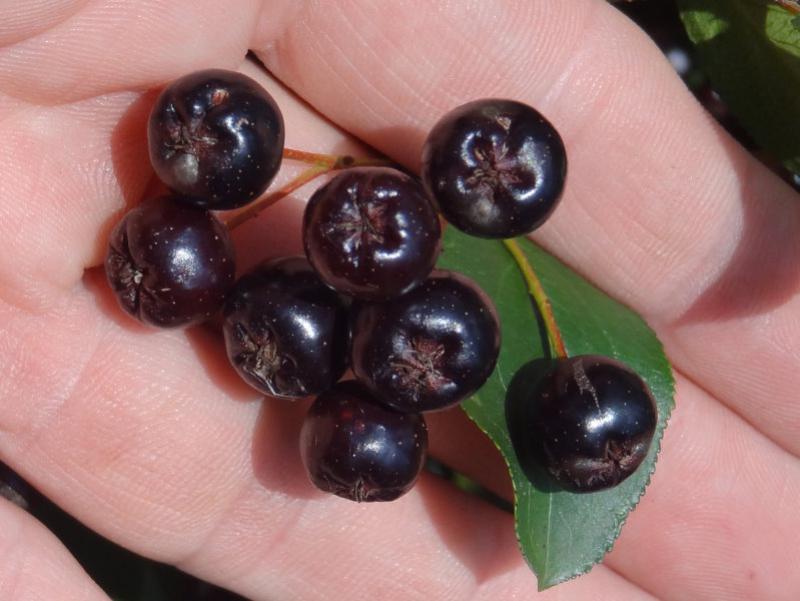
148 437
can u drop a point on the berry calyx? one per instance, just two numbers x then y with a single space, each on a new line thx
355 448
371 233
496 168
170 265
286 333
216 138
590 423
428 349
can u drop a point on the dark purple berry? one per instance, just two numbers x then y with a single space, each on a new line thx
285 331
371 233
495 168
590 423
428 349
216 138
170 265
358 449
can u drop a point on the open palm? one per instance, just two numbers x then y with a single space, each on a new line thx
149 438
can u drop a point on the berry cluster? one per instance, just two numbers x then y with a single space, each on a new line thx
366 295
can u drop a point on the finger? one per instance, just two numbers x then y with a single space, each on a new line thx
443 544
68 173
137 454
704 519
66 50
19 21
72 118
719 517
78 167
149 438
35 565
661 208
154 443
56 377
121 451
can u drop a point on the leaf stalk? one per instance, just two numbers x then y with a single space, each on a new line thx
539 298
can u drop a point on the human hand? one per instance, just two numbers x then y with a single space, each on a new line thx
150 438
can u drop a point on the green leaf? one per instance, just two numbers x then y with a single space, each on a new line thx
751 52
561 534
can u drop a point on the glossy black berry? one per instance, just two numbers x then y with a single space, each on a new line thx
216 138
285 331
168 264
371 233
590 423
358 449
496 168
428 349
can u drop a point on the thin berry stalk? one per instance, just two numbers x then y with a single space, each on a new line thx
333 161
255 209
312 158
320 165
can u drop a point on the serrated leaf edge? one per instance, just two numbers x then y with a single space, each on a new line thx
622 517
